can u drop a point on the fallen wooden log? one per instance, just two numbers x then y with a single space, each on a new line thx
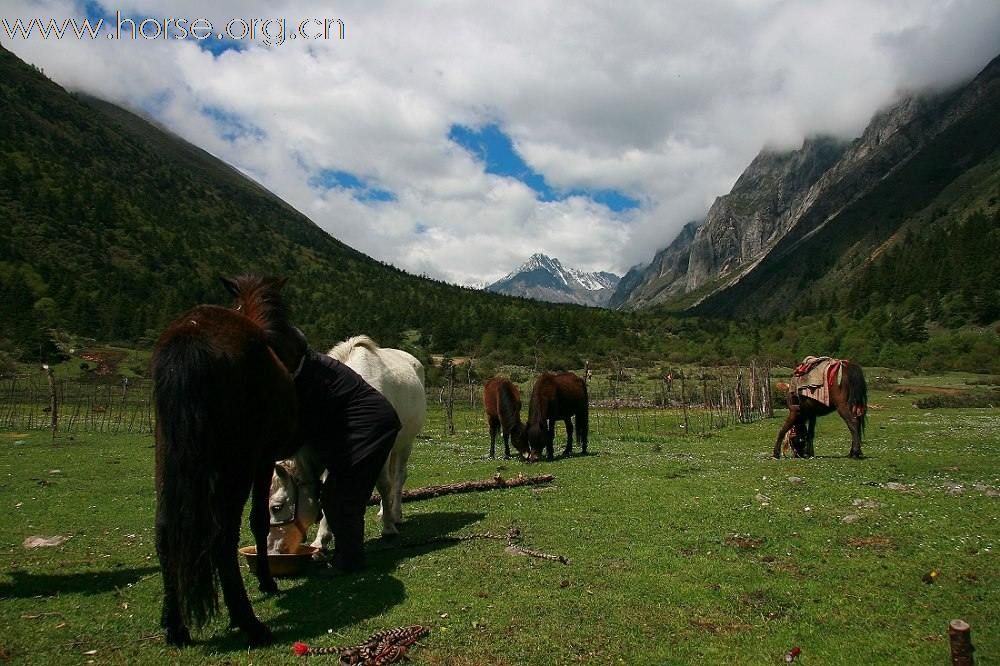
497 482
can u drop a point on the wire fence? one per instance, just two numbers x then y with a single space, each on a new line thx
32 402
694 400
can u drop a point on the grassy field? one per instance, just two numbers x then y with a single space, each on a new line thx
682 550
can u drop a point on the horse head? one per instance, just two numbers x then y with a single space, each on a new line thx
797 440
519 440
537 438
293 507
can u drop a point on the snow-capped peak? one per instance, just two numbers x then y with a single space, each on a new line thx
542 274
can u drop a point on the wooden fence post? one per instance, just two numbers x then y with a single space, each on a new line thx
53 400
687 429
961 643
450 400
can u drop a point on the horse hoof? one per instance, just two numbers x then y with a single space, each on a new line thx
268 587
260 636
178 637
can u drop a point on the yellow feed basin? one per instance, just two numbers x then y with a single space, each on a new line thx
283 565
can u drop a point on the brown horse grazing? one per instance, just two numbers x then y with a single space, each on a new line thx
557 397
503 412
848 397
226 410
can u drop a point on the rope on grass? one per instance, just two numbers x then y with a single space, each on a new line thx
383 647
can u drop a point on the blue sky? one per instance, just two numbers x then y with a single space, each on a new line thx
496 151
343 180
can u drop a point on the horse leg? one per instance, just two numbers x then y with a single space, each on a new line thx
569 436
582 430
494 427
401 458
324 535
852 424
235 595
810 436
175 631
550 436
385 485
506 445
260 524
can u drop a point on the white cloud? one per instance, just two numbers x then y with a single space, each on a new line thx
665 101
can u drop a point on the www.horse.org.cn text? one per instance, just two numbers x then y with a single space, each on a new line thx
267 31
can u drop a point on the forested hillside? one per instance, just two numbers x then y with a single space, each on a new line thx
110 227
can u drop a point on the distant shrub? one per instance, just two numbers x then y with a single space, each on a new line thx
954 400
991 380
882 383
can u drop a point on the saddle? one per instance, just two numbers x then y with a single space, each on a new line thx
814 376
807 364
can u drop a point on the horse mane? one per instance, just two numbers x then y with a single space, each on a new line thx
259 300
536 407
342 350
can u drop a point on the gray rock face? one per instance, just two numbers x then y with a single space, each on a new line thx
663 279
783 199
544 278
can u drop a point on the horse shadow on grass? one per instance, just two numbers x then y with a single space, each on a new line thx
26 585
328 600
560 457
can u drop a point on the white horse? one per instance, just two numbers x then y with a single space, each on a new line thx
294 502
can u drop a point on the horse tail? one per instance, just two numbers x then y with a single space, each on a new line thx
342 350
857 393
188 525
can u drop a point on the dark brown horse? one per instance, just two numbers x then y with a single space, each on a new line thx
848 397
557 397
226 411
502 399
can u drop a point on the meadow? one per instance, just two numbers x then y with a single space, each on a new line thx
682 549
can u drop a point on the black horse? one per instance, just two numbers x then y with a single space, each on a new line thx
226 411
848 397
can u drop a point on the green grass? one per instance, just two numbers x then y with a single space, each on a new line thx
682 550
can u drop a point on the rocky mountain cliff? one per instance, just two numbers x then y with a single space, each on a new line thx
818 209
545 279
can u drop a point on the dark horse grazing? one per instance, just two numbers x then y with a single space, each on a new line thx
557 397
226 411
848 397
502 399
